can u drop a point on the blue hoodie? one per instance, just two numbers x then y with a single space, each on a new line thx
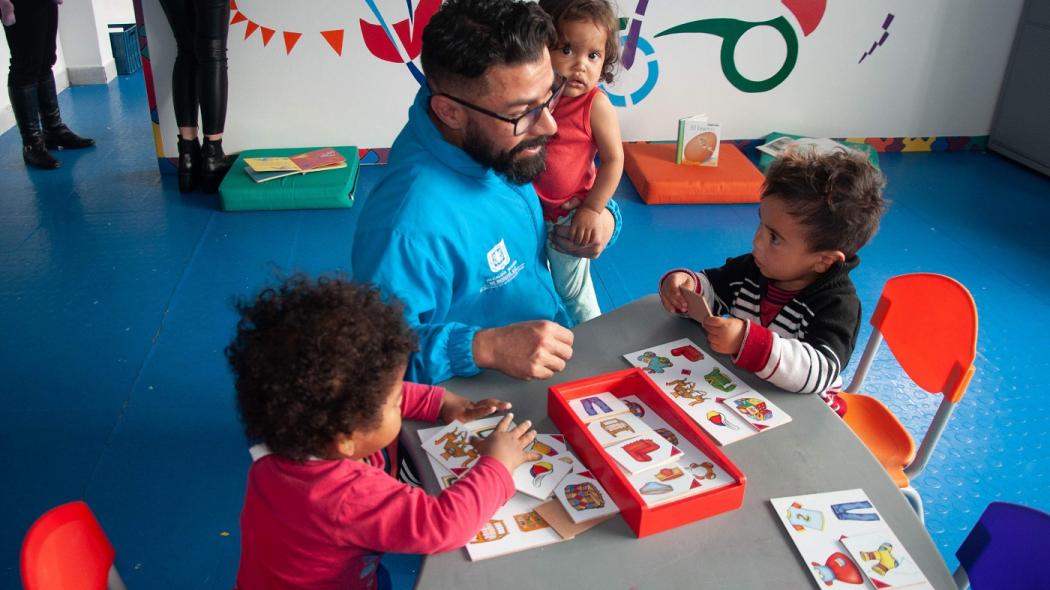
458 244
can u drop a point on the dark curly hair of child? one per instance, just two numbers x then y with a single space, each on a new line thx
837 196
599 12
315 359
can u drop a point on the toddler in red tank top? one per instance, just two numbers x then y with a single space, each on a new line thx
572 190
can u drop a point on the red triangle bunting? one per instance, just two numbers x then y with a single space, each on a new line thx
290 39
233 4
237 18
267 34
335 39
252 27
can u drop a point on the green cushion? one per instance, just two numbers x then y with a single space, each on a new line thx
765 160
317 190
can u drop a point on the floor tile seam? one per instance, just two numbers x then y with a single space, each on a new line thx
148 357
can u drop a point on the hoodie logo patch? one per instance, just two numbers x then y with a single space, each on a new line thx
498 257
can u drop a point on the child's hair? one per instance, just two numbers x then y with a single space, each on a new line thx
315 359
837 196
599 12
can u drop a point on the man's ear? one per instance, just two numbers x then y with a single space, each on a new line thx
827 259
449 112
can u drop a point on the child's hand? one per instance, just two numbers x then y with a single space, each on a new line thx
725 335
670 292
584 228
508 446
457 407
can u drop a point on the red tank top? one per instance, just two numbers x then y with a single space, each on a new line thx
570 156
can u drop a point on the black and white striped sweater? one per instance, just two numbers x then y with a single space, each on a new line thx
808 343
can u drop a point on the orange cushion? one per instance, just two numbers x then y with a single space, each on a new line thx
659 180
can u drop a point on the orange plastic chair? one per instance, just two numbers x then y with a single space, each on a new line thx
929 322
66 549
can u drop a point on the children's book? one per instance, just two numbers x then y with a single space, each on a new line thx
322 158
845 543
699 141
267 176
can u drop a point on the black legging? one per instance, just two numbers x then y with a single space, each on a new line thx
199 75
32 41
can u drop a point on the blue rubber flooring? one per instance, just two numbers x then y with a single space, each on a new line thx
115 296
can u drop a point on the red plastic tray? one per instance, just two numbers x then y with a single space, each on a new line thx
644 520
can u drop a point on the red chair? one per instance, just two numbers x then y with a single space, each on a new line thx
929 322
65 549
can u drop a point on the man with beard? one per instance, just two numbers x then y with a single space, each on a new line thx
454 230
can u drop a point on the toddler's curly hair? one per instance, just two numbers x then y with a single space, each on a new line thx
315 359
837 196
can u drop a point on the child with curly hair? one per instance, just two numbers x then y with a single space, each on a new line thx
794 313
572 190
318 367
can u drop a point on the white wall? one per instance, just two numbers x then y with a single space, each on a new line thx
938 73
115 11
85 40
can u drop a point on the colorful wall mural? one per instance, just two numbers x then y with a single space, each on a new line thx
345 71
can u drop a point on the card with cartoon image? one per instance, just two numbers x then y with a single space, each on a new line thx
597 407
609 431
451 444
884 560
642 453
539 478
584 498
758 411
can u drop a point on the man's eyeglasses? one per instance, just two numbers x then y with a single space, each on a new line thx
525 121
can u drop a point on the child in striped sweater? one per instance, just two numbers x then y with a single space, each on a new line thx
793 311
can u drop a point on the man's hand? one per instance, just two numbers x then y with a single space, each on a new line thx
561 237
508 445
457 407
7 13
725 335
670 291
526 350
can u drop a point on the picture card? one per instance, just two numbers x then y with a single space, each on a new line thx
584 498
554 513
757 410
816 524
664 484
643 453
451 446
597 406
885 561
696 306
609 431
539 478
517 526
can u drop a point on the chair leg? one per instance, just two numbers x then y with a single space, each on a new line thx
913 498
962 581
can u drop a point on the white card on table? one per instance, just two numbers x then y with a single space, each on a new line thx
584 498
757 410
664 484
693 380
884 560
597 406
451 443
609 431
538 478
643 453
514 527
817 522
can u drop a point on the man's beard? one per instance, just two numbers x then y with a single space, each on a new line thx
517 170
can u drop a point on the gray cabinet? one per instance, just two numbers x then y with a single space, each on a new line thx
1021 128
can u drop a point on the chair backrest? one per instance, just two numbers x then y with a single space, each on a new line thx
66 548
1007 548
929 321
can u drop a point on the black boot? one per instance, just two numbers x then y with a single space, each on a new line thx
27 114
189 164
214 165
56 134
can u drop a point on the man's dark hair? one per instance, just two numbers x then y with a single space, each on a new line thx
837 196
465 38
599 12
313 360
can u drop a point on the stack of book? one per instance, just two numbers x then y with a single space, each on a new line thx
266 169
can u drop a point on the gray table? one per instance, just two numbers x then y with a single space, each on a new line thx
745 548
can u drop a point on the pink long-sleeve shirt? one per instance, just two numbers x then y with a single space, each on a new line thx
325 523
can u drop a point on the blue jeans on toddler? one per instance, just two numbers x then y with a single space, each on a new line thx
572 278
